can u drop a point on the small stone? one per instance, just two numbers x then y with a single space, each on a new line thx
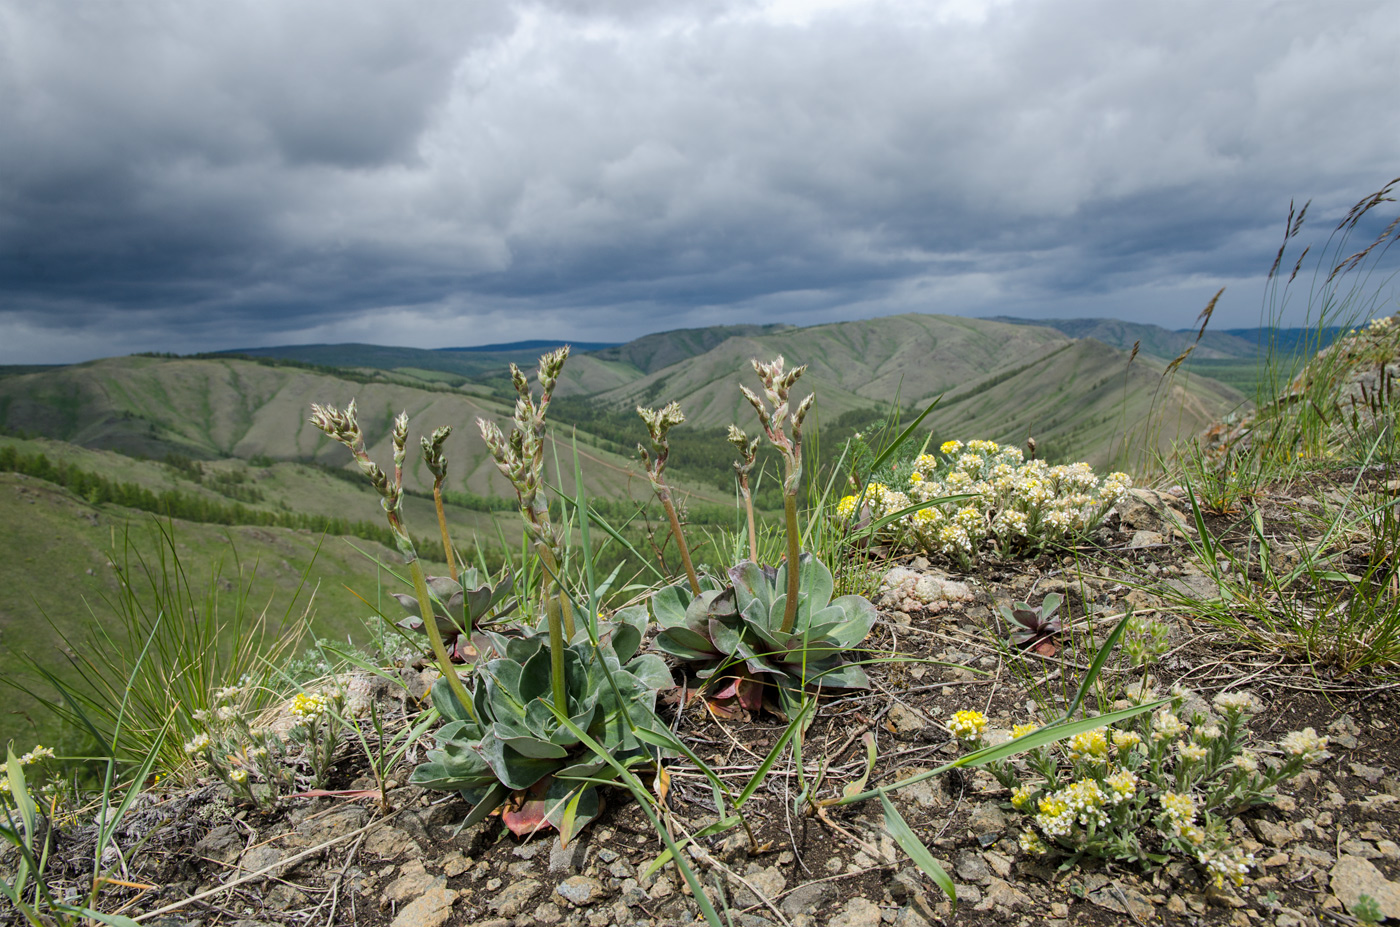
769 882
1270 833
1004 896
1176 905
1371 774
549 913
1388 848
807 898
1059 909
908 917
413 881
566 859
971 867
1353 877
1359 848
579 890
1145 538
1122 899
512 901
389 842
222 844
454 864
430 909
904 721
259 858
1000 864
858 912
987 819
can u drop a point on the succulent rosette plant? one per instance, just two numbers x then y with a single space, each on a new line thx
511 748
459 607
1034 628
737 634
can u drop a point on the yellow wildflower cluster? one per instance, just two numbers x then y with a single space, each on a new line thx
1090 745
309 707
1014 500
1081 801
968 725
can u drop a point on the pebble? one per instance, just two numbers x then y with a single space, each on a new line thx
513 899
430 909
580 890
1354 876
858 912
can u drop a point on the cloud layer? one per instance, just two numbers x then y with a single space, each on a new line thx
198 175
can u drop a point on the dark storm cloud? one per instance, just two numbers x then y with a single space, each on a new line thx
199 175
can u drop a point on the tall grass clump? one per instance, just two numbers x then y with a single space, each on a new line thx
155 653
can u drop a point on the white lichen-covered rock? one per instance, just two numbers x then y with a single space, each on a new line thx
903 589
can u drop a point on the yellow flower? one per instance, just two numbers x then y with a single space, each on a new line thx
1022 796
846 507
968 725
1021 730
951 447
1031 843
1089 745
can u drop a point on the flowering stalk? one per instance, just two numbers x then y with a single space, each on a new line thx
659 423
777 382
345 428
748 454
521 459
437 464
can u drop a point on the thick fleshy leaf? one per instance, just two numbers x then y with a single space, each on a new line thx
754 587
860 618
651 671
514 770
443 587
535 678
684 654
630 625
445 701
845 676
668 605
528 745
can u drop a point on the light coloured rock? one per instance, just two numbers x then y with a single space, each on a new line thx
903 589
903 720
1003 896
513 899
971 867
858 912
579 890
1269 832
413 881
1146 538
807 899
768 881
389 842
430 909
1353 877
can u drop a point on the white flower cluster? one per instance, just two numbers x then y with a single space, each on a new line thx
1015 501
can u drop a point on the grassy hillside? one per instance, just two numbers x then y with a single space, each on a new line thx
851 365
214 409
58 562
1084 401
486 360
1152 339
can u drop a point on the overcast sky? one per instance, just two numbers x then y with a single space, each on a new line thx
183 175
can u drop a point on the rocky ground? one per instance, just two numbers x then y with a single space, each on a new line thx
1331 835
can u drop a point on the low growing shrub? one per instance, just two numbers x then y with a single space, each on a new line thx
1149 788
983 493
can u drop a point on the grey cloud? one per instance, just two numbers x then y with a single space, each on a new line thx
190 171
